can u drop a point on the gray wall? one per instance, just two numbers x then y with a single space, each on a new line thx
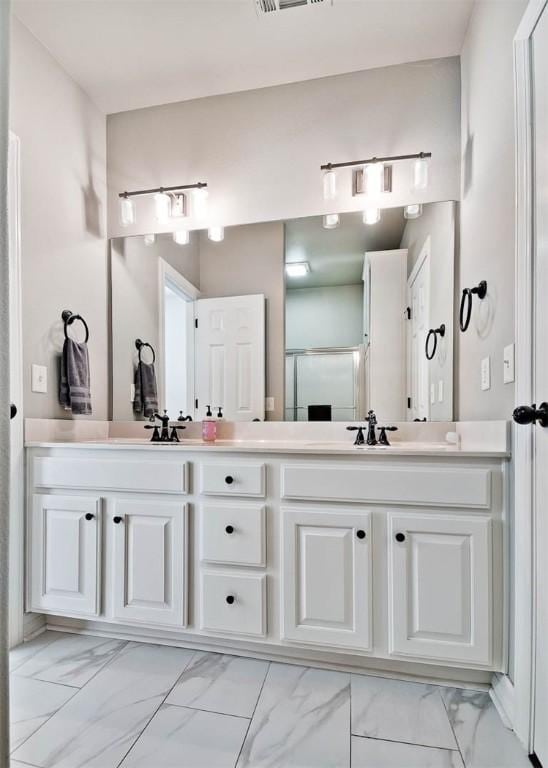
260 151
251 260
63 218
324 317
488 201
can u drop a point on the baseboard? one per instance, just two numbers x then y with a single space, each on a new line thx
33 625
503 696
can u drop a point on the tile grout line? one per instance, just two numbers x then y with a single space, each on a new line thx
407 743
207 711
253 714
453 730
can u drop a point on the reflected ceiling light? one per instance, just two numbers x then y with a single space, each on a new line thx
181 237
371 215
297 269
329 184
330 221
420 173
412 211
162 204
149 239
216 233
127 212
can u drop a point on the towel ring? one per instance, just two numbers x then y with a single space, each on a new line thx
466 303
140 344
433 332
68 318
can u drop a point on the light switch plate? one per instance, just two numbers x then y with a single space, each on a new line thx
509 364
39 378
440 391
486 373
269 404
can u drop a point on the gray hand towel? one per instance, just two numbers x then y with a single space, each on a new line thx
146 391
74 392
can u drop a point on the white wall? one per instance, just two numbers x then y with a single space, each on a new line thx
487 222
260 151
63 218
324 317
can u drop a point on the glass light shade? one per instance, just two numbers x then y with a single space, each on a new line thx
374 178
371 215
420 173
329 185
412 211
199 199
216 233
127 211
149 239
297 269
181 237
162 202
178 206
331 221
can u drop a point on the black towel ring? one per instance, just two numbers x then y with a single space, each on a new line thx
140 344
466 303
68 318
433 332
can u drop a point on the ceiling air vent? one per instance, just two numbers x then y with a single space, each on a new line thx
274 6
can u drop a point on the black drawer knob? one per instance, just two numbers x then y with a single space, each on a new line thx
117 519
230 599
89 516
400 537
360 534
229 479
229 529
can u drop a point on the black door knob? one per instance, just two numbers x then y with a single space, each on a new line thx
530 414
230 599
89 516
360 534
117 519
229 529
229 479
400 537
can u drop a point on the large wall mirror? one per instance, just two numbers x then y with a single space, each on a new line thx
318 318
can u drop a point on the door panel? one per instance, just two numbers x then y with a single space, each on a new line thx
150 561
65 554
326 575
440 578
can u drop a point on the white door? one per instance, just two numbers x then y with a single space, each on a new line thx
327 578
440 593
65 554
230 356
150 561
418 298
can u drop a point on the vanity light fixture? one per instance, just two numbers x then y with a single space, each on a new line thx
420 173
374 179
181 237
374 175
297 269
162 204
371 215
216 233
199 199
149 239
331 221
329 183
127 211
412 211
170 202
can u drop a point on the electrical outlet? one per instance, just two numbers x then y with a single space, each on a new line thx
486 373
39 378
508 374
269 404
440 391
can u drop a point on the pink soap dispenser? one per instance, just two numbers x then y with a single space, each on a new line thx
209 427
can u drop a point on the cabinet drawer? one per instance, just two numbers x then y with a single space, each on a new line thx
231 603
232 534
232 479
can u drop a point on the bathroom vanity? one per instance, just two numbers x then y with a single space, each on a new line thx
296 549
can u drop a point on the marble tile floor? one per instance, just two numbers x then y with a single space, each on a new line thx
81 701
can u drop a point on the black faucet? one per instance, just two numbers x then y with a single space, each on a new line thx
383 439
184 418
372 422
360 439
163 435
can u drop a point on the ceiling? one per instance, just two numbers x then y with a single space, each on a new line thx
128 54
336 255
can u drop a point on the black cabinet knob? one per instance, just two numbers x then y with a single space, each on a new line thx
400 537
229 479
117 519
360 534
530 414
230 599
89 516
229 529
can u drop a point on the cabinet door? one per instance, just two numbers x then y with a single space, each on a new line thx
327 577
64 563
150 561
440 581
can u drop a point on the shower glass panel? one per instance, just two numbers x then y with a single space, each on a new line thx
323 377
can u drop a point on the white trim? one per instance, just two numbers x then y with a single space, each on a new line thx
423 255
17 473
524 538
503 695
